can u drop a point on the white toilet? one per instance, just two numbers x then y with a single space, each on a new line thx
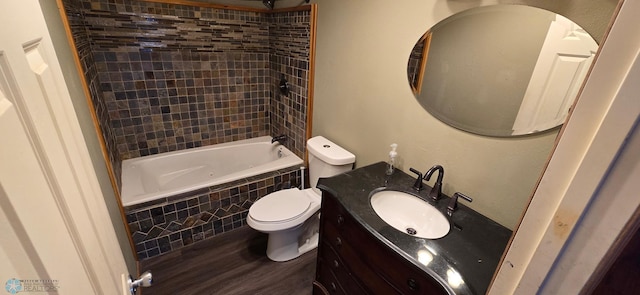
290 216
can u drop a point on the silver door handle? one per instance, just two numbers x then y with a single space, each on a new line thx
145 280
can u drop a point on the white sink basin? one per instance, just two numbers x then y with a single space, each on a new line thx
410 214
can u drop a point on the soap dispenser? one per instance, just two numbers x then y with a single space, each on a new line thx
391 165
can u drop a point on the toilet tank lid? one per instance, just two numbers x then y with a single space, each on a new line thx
329 152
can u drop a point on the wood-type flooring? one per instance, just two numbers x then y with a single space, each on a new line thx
232 263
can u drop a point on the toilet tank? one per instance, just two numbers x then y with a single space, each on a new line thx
327 159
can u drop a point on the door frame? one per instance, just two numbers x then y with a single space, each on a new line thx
603 117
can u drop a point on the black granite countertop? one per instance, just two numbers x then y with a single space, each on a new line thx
463 261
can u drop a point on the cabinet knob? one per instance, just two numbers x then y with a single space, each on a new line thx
336 264
338 242
340 219
413 285
334 287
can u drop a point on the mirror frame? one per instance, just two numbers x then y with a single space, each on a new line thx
418 77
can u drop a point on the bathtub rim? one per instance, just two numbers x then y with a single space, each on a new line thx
157 198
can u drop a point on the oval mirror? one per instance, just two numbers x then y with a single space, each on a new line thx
501 70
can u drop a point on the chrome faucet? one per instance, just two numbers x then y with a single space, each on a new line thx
436 191
280 138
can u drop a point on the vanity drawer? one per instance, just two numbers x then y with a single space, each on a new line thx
380 269
404 276
333 213
346 251
342 273
329 281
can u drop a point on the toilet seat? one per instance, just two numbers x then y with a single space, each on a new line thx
280 206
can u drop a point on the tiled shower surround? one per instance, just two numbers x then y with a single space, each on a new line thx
167 77
167 101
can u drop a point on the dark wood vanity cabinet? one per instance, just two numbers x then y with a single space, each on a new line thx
353 261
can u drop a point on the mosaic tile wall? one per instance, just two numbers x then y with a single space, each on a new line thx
175 222
290 41
83 46
175 77
167 101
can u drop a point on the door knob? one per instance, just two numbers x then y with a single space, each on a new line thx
145 280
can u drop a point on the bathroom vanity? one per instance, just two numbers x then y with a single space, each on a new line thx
359 253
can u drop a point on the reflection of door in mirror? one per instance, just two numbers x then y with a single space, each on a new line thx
501 70
417 62
564 60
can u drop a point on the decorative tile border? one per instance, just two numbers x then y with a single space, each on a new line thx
289 38
172 223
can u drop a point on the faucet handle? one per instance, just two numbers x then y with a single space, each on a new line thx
418 184
453 203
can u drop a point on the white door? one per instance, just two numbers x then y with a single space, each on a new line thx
55 233
565 57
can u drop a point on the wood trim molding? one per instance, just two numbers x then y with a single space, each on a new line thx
312 68
426 39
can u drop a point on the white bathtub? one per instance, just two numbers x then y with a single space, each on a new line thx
163 175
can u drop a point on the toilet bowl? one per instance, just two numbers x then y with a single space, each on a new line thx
290 216
286 216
